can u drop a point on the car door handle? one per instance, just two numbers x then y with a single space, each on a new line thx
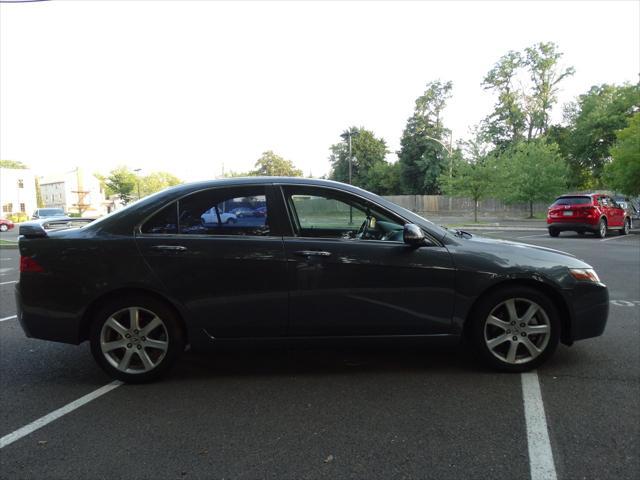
170 248
312 253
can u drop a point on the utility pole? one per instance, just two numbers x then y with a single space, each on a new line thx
449 150
349 133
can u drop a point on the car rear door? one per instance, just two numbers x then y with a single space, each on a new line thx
341 285
231 277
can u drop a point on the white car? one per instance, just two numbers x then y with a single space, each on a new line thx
211 218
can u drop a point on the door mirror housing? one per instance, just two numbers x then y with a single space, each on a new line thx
413 235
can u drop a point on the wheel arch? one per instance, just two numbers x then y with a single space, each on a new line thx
557 299
97 303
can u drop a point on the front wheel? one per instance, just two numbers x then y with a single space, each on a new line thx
136 339
515 329
626 227
553 232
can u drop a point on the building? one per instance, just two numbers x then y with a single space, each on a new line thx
17 191
74 192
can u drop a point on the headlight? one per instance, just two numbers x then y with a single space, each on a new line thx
585 274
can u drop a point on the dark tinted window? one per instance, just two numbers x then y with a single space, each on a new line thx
225 211
573 201
165 221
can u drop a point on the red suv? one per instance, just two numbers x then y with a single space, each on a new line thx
594 212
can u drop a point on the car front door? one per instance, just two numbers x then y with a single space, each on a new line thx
616 212
230 276
351 274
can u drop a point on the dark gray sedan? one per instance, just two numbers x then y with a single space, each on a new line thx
327 260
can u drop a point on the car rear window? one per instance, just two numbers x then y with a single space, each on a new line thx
572 201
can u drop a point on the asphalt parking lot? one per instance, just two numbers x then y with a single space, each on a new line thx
334 412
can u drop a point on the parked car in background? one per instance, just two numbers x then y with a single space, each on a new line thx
631 206
210 217
241 212
48 213
329 261
596 213
5 224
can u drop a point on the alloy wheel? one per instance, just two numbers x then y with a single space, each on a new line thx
627 226
134 340
603 229
517 331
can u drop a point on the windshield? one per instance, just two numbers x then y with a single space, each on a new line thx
572 201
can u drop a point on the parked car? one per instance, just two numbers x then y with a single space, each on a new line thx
210 217
241 212
48 213
595 213
260 212
630 206
141 283
6 224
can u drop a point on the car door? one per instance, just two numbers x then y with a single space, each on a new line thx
348 283
230 276
616 212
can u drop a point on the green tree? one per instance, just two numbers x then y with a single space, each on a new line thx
156 181
272 165
12 164
383 178
530 172
368 153
473 174
122 182
506 123
623 173
522 108
592 125
422 159
542 62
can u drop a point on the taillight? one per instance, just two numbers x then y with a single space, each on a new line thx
28 264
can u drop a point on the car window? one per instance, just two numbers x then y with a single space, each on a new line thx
572 201
224 211
165 221
326 214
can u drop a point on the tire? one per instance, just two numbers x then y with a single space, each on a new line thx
493 329
231 221
626 227
553 232
3 228
602 228
113 338
581 233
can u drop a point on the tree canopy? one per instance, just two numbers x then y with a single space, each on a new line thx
623 172
12 164
271 165
421 158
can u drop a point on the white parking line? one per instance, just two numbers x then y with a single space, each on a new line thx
614 238
69 407
540 455
8 318
7 283
532 236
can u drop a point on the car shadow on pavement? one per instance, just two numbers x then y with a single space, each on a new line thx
324 361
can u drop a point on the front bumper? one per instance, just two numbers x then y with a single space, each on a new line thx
590 306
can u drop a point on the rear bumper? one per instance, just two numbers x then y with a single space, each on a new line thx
590 305
573 226
46 325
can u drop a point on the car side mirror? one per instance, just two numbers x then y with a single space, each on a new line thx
413 235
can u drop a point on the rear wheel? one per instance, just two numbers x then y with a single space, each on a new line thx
553 232
580 232
602 228
136 339
515 329
3 228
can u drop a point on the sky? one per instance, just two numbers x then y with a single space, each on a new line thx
195 87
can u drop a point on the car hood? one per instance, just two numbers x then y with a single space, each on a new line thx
512 256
